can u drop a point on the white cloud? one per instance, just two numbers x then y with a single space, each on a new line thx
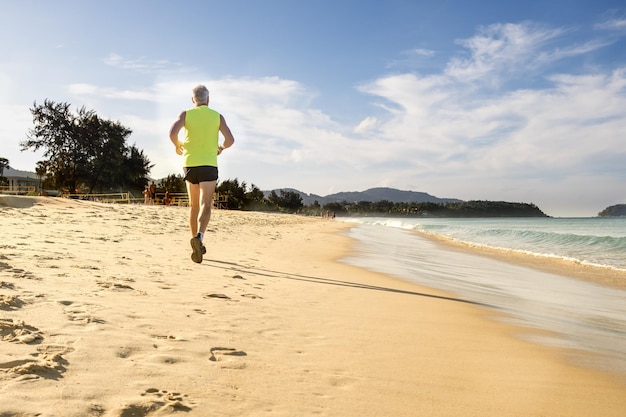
500 48
421 52
82 89
612 24
366 125
140 64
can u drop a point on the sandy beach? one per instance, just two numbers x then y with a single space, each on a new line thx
102 313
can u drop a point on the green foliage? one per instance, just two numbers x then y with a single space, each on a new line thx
174 183
461 209
288 201
4 164
235 193
83 150
256 199
241 197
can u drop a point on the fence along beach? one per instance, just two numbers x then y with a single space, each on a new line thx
103 313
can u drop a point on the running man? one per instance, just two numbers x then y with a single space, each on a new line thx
199 150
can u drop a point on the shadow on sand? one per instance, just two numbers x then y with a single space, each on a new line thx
327 281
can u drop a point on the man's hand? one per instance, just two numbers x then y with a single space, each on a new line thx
179 148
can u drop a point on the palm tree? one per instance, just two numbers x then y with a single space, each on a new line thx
4 164
41 169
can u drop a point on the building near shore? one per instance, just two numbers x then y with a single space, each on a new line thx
20 182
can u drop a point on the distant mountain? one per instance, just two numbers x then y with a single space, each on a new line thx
389 194
371 195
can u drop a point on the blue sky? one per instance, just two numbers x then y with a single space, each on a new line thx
482 100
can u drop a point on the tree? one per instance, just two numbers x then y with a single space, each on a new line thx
41 169
292 201
288 200
235 193
81 149
255 199
4 164
110 154
174 183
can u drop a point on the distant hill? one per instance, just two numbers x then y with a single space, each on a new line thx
618 210
388 194
372 195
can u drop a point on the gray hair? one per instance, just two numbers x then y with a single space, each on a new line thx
200 94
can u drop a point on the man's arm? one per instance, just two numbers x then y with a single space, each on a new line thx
228 136
176 127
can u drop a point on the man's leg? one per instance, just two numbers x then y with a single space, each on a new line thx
193 192
207 189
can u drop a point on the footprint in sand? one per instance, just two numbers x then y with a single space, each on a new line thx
86 267
169 337
10 302
8 285
222 296
47 362
17 272
21 274
80 313
17 331
114 285
224 351
158 402
253 296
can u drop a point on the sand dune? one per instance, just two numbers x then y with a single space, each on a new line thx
102 313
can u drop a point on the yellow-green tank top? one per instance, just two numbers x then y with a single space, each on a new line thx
202 126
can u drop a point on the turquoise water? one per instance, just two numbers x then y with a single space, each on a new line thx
597 241
580 315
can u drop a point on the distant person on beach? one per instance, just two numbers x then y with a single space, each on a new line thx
199 150
166 198
152 190
146 195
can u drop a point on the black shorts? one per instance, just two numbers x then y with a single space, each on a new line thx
196 175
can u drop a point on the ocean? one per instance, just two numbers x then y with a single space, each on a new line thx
579 315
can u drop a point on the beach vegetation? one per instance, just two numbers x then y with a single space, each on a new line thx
41 169
4 164
241 196
234 192
287 201
430 209
83 151
175 183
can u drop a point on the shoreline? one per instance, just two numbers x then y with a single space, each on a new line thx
615 278
103 313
